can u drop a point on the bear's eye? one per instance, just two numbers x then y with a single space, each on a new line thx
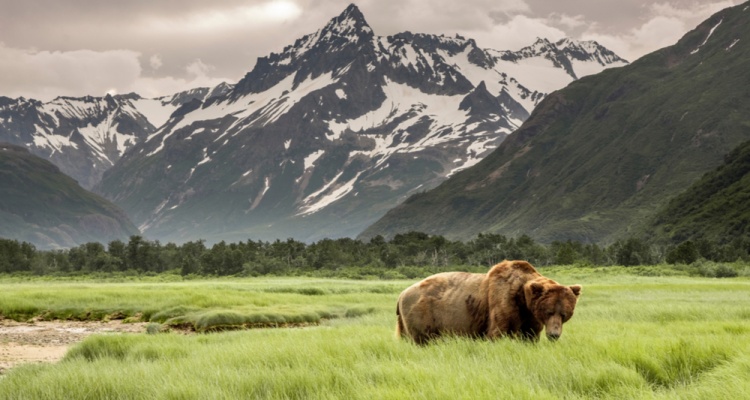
564 317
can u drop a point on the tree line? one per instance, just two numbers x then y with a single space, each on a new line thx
408 254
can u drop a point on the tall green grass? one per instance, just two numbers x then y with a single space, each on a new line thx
632 337
197 305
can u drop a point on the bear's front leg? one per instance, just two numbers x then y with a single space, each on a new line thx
530 330
501 325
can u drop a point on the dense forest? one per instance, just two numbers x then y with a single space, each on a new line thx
405 256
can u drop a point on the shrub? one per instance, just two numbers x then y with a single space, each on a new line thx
685 253
170 313
358 312
153 328
217 320
725 271
712 270
312 291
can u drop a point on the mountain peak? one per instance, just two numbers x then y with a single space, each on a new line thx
588 45
588 50
345 32
353 11
350 23
540 46
566 42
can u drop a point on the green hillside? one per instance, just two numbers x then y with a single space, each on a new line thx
597 158
41 205
716 208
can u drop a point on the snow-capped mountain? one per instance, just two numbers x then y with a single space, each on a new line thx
82 136
86 136
324 137
609 157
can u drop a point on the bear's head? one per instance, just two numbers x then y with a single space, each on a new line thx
551 304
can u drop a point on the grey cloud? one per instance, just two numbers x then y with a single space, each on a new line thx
65 73
229 50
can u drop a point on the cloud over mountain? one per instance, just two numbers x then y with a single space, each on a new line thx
95 48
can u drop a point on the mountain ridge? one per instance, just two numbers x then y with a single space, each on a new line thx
596 158
85 136
40 205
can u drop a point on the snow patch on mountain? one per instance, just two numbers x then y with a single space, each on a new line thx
67 107
255 108
404 100
314 202
256 202
44 138
476 152
474 73
156 211
711 32
538 73
206 158
161 145
312 158
155 110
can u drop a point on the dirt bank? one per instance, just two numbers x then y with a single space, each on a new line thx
47 341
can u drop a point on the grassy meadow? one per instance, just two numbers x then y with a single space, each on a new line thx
632 337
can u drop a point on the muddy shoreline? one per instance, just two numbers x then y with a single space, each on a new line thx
48 341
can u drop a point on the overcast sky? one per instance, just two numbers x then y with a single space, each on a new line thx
158 47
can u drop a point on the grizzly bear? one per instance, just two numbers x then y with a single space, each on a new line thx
512 299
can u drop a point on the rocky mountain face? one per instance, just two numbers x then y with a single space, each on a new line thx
41 205
596 159
86 136
321 139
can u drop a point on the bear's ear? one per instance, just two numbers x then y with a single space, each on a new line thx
576 289
537 288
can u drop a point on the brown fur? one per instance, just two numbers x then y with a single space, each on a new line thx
512 299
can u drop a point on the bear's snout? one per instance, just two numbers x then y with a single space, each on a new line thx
553 327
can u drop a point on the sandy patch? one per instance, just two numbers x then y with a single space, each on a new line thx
48 341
